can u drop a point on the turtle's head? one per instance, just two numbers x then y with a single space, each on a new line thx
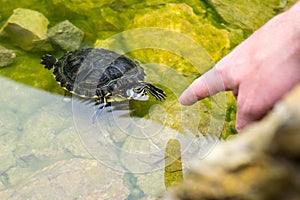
48 61
137 93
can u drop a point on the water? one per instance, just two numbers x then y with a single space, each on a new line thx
51 142
50 148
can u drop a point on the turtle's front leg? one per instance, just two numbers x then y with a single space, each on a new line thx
101 103
158 93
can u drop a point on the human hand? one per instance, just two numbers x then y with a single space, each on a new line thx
259 71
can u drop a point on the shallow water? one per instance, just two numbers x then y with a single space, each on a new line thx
45 135
50 147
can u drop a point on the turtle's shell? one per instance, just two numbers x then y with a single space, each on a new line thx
96 73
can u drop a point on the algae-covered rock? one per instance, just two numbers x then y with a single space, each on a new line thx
248 15
181 18
173 170
27 29
66 35
118 20
7 56
173 35
81 7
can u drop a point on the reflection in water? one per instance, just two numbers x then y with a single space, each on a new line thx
173 171
42 155
125 141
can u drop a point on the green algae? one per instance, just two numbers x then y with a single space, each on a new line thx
173 170
27 70
248 15
181 18
217 26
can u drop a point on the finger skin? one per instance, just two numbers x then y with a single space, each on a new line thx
207 85
259 71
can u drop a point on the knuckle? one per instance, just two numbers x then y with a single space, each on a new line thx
251 110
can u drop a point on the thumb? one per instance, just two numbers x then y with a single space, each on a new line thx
207 85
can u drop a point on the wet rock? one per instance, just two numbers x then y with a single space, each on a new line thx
173 169
8 145
27 29
181 17
7 57
248 15
130 180
28 135
71 179
118 20
41 154
46 142
260 163
151 183
181 26
81 7
66 35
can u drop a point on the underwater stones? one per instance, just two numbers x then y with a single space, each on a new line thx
66 35
27 29
79 6
7 56
8 145
57 141
173 169
249 15
181 18
151 183
260 163
70 179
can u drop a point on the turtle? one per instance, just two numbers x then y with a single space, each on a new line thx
102 75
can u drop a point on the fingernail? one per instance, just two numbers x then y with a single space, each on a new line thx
188 97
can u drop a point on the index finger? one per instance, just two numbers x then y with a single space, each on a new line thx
207 85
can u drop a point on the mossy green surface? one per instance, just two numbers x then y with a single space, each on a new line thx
173 170
215 25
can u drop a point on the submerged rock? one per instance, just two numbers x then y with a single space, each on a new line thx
260 163
151 183
66 35
27 29
71 179
7 56
41 155
173 170
81 7
181 18
249 15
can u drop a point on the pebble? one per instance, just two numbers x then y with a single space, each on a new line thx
7 56
66 35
